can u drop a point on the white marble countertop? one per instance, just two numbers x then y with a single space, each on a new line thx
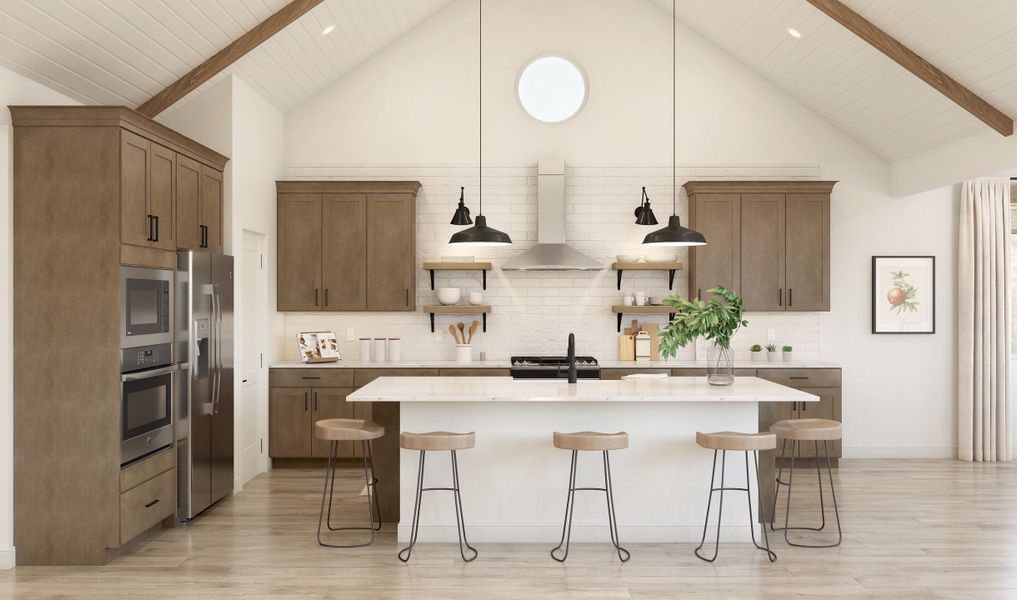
505 364
506 389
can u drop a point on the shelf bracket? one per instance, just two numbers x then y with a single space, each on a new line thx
619 322
670 317
670 279
484 317
485 280
619 279
432 318
432 289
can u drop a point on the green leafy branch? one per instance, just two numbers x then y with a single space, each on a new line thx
715 320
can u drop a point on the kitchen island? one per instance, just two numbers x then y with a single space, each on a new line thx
514 481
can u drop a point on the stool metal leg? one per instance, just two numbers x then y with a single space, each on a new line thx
752 522
611 515
566 528
329 490
822 507
460 517
404 554
720 512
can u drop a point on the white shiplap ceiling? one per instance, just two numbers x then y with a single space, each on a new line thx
125 51
856 87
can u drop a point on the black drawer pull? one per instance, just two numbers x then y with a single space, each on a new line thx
152 503
308 377
798 377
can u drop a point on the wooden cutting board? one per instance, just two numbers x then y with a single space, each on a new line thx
626 347
654 332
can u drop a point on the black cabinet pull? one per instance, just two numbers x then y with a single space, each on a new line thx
149 228
156 236
305 401
407 296
315 401
798 377
316 296
699 294
309 377
152 503
790 298
780 297
326 296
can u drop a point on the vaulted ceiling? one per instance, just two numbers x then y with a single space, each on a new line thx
125 51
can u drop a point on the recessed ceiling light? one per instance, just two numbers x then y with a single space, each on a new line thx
794 32
328 30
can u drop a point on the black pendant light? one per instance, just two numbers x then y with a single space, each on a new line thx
480 234
674 234
644 214
462 214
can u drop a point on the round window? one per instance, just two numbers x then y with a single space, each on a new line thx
551 89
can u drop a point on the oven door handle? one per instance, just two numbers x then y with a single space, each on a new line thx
147 374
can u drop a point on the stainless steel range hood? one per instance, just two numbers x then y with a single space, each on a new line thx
551 252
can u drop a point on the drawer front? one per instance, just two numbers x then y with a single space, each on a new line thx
366 376
798 378
475 373
310 378
699 372
142 471
145 505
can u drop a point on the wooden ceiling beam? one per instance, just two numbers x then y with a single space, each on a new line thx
227 56
917 65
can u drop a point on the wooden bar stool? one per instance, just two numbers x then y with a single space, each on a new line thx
588 441
740 442
805 430
438 441
349 430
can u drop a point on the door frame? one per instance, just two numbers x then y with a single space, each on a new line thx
259 239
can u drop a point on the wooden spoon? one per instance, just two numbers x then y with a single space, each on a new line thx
455 334
462 332
473 331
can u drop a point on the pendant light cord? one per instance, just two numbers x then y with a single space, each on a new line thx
480 104
674 108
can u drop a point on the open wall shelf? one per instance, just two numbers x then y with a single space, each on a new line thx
619 310
458 266
651 265
458 309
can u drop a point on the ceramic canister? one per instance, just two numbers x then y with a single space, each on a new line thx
365 349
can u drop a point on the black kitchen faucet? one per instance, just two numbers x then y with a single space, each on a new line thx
572 358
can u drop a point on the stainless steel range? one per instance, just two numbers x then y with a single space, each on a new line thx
553 367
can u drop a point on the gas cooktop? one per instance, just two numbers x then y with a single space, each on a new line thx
553 367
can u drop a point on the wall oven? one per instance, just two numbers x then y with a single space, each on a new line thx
146 307
148 391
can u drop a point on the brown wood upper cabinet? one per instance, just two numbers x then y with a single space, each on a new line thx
767 240
347 245
199 205
146 192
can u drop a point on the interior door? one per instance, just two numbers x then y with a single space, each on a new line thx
299 257
330 403
290 422
762 252
223 412
716 216
808 251
250 364
135 226
344 251
188 194
212 208
161 183
391 255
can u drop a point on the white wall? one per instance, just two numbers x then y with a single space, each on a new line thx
979 155
411 112
14 90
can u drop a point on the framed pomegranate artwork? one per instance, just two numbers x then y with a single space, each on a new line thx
903 294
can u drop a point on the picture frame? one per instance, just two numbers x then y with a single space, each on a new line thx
903 294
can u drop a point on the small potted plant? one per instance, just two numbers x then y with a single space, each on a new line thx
757 353
771 353
788 354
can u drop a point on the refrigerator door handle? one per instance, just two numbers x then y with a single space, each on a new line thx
216 358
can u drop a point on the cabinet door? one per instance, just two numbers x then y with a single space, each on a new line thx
211 207
808 252
289 422
188 203
135 225
344 251
828 407
716 263
299 261
391 252
762 258
330 403
161 182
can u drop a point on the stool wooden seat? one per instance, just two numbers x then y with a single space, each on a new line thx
591 441
807 429
437 441
347 430
734 440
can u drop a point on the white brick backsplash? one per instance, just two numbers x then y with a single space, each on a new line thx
534 312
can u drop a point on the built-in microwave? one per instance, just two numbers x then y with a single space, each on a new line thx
147 391
146 307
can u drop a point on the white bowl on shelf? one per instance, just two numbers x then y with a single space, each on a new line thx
627 258
448 295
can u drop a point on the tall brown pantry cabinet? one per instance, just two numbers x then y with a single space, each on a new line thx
94 188
767 240
346 245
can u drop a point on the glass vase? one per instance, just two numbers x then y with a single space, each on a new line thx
719 366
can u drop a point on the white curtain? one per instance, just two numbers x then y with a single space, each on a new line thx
983 306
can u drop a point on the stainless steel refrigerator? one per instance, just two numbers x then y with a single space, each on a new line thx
204 416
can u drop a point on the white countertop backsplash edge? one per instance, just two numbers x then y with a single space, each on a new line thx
506 364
